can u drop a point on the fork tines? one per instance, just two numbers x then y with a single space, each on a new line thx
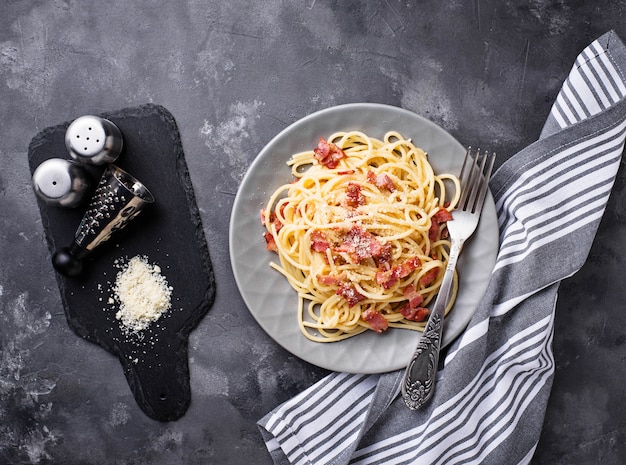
474 178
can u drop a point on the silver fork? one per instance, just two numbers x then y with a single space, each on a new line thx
419 378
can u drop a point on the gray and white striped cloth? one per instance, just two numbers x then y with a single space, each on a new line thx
491 395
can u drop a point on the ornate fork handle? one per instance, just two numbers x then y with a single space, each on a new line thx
419 379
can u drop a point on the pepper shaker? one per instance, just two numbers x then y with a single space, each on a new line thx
93 140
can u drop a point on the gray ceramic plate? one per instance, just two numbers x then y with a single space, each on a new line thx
271 300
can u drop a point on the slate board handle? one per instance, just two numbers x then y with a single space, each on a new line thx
160 381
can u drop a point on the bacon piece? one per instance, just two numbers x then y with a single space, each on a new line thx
375 319
442 216
386 278
329 280
415 298
414 314
273 218
408 266
433 232
389 277
328 154
270 243
349 292
359 244
319 243
384 257
436 221
429 277
276 222
381 180
354 196
412 310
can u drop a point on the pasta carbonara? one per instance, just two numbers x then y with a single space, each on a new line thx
360 234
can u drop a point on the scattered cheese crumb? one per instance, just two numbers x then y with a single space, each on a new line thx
142 292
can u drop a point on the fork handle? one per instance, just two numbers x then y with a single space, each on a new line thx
418 384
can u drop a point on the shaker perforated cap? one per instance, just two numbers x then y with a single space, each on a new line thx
93 140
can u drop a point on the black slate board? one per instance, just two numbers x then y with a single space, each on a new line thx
168 233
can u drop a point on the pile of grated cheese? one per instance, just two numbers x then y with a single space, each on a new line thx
142 293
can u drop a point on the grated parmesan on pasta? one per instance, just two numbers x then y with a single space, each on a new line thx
142 292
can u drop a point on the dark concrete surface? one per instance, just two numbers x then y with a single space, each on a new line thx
233 74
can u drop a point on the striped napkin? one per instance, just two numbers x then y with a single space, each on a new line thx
492 393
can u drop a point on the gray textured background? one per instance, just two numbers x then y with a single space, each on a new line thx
233 74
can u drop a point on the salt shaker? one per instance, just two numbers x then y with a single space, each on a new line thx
62 183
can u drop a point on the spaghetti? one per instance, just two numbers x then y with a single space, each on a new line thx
360 234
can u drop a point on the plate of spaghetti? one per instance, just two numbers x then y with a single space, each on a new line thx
338 238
